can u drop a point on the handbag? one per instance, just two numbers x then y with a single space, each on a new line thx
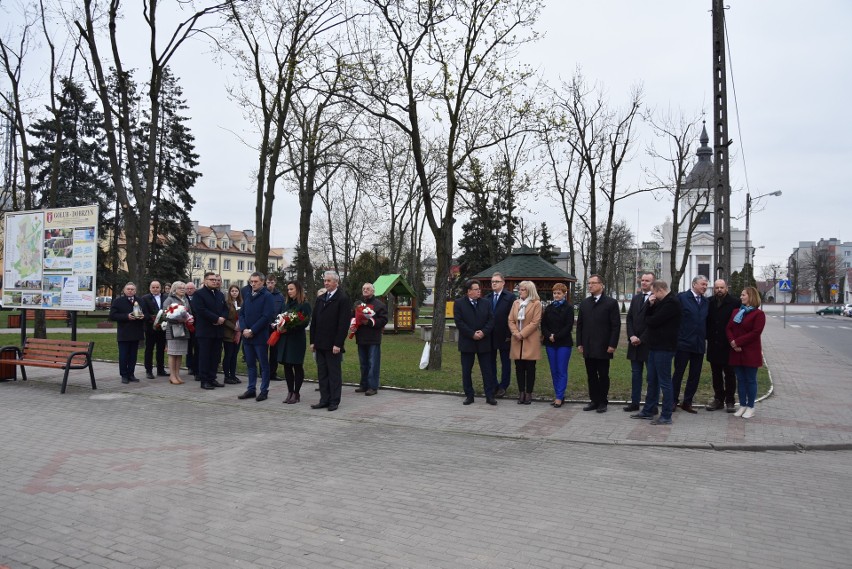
178 331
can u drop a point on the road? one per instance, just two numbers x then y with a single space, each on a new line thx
831 333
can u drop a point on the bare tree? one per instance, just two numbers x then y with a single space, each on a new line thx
135 191
690 191
437 71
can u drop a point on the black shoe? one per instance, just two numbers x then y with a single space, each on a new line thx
247 395
162 373
361 390
590 407
729 407
500 393
370 392
125 379
332 407
276 378
467 401
149 375
262 396
491 401
195 377
688 408
319 406
714 404
207 386
641 416
601 409
232 381
661 422
631 407
133 378
215 383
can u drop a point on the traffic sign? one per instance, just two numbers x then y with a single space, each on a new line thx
784 285
834 288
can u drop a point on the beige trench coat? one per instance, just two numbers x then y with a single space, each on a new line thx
529 348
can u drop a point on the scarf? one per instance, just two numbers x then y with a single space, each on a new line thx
522 308
741 314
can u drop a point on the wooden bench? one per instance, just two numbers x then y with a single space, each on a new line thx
49 315
57 354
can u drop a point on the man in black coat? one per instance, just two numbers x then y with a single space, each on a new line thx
722 305
155 339
192 348
368 336
210 312
125 310
637 352
278 303
475 324
329 326
500 301
598 329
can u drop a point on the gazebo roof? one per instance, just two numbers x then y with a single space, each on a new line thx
525 263
394 284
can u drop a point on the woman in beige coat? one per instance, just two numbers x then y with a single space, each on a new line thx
524 322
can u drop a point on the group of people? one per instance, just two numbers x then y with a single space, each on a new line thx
667 333
208 327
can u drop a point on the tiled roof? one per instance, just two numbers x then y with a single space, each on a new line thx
525 263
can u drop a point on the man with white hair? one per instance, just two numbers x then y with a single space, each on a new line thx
329 326
368 336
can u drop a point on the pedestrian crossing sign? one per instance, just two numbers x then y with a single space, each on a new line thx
784 285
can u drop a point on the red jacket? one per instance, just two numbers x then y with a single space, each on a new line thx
747 336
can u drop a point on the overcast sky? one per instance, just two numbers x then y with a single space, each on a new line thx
790 65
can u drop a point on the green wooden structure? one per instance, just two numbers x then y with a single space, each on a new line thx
404 300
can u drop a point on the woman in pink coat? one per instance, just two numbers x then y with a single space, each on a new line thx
743 331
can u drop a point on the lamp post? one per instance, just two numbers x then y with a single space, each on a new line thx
376 260
749 201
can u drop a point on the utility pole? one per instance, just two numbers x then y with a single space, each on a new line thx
722 194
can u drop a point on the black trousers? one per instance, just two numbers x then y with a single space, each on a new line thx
273 361
724 382
192 355
525 372
155 340
330 376
295 376
597 376
695 361
209 353
488 385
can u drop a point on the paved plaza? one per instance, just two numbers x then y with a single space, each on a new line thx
154 475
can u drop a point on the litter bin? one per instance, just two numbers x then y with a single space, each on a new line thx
13 321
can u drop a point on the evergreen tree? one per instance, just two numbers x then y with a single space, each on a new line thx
174 177
83 168
545 251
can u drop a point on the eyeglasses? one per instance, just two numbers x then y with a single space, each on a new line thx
496 282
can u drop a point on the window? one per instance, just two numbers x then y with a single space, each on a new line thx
196 262
251 266
241 265
211 264
243 246
704 218
224 243
212 243
192 240
271 268
847 253
226 265
226 283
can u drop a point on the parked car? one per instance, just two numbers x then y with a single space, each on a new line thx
835 309
847 310
103 302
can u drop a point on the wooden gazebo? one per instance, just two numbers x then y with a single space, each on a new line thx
524 264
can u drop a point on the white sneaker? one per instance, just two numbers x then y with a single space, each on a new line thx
749 413
739 412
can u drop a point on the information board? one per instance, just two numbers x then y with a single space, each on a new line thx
50 258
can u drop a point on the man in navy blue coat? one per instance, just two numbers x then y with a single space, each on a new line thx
500 301
257 313
475 323
691 341
278 302
210 312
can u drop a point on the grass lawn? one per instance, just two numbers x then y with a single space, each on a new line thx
401 359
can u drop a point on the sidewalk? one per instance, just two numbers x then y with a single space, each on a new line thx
810 407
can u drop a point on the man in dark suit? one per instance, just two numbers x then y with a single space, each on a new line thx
329 326
155 339
691 341
637 352
475 323
278 303
722 305
500 302
192 348
598 328
210 312
256 314
125 310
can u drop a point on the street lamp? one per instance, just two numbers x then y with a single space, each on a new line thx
376 260
749 199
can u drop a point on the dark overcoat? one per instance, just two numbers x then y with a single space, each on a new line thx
718 316
468 320
598 326
636 326
128 330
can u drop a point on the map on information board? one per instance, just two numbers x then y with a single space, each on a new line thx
50 259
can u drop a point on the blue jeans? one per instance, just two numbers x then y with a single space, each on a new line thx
659 379
255 353
559 357
746 385
636 368
370 356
